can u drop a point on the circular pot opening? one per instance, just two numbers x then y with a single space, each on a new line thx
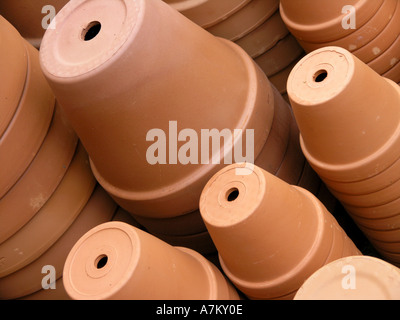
232 194
91 31
101 261
320 76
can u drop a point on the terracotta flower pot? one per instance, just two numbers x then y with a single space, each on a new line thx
31 192
209 12
384 224
321 88
280 56
28 126
353 278
99 209
363 34
245 20
28 16
13 68
141 267
117 148
288 244
264 37
54 218
322 21
279 79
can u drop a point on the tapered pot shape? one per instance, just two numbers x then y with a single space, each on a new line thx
166 85
118 261
350 126
270 236
353 278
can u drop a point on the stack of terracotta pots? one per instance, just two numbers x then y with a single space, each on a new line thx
254 25
31 18
270 236
368 29
139 130
117 261
353 278
349 119
46 185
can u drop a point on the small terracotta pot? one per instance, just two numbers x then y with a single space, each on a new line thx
279 56
209 12
141 267
99 209
288 244
245 20
50 223
117 149
31 192
373 279
322 22
14 67
29 125
363 34
264 37
27 16
382 42
321 87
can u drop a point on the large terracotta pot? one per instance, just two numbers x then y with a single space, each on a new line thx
228 92
353 278
40 180
29 125
14 68
54 218
118 261
342 138
100 208
289 231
